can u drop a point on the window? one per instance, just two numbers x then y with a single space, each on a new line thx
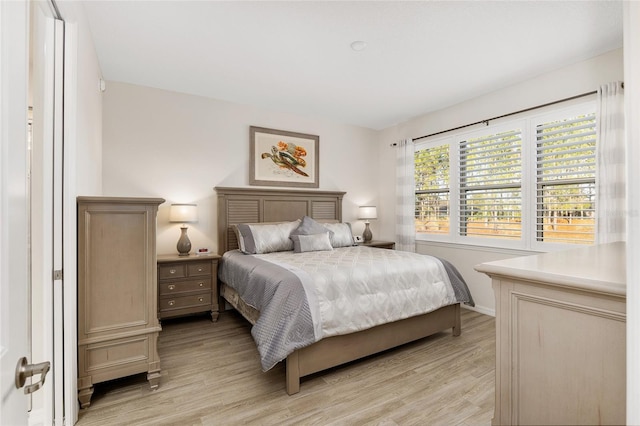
432 190
490 185
566 180
523 184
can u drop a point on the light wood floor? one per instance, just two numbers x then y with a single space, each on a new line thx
211 376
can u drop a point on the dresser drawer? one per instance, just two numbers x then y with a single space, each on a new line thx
172 271
195 269
174 287
96 358
170 303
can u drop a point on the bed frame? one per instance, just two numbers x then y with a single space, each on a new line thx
255 205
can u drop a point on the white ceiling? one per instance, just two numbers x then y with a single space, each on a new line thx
296 57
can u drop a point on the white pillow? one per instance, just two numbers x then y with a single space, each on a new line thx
342 236
257 238
313 242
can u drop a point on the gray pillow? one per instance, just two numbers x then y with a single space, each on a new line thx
313 242
309 226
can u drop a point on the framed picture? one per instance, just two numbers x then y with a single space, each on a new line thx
281 158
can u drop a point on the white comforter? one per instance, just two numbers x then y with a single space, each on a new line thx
355 288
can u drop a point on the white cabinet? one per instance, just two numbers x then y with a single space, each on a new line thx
561 337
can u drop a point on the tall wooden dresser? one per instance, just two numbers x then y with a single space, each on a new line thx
117 293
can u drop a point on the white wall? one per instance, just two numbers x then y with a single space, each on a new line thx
83 102
179 147
576 79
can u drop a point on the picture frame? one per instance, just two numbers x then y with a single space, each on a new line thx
283 158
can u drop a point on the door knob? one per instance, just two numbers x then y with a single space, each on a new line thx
24 370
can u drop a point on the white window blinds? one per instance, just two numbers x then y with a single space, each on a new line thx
490 185
565 180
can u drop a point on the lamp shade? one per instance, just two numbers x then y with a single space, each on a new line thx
183 213
367 212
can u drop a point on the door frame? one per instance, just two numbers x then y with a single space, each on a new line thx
47 90
47 209
69 225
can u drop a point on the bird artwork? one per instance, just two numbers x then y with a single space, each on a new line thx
288 156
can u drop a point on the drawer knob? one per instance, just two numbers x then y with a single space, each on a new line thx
199 269
171 302
201 284
172 271
200 299
172 287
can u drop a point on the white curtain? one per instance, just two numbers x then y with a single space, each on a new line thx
610 170
405 193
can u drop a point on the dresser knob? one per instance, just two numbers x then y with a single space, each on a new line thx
172 287
172 271
199 269
201 284
200 299
171 302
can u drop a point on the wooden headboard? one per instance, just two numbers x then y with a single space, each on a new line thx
255 205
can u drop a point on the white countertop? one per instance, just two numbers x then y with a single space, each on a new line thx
599 268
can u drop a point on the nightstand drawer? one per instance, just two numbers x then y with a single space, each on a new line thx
168 304
172 271
195 269
187 285
168 288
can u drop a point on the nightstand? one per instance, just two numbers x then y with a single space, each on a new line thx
380 244
187 285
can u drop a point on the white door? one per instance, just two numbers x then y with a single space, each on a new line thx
14 199
30 166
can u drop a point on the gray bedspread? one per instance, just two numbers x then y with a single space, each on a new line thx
286 322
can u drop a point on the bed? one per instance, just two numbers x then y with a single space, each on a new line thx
240 206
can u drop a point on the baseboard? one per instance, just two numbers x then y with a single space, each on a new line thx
481 309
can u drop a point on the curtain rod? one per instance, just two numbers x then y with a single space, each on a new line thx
486 121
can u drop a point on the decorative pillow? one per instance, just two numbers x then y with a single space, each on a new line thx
309 226
342 236
258 238
313 242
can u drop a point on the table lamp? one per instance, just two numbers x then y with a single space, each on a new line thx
183 213
365 213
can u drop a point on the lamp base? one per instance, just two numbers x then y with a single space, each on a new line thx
184 244
366 235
